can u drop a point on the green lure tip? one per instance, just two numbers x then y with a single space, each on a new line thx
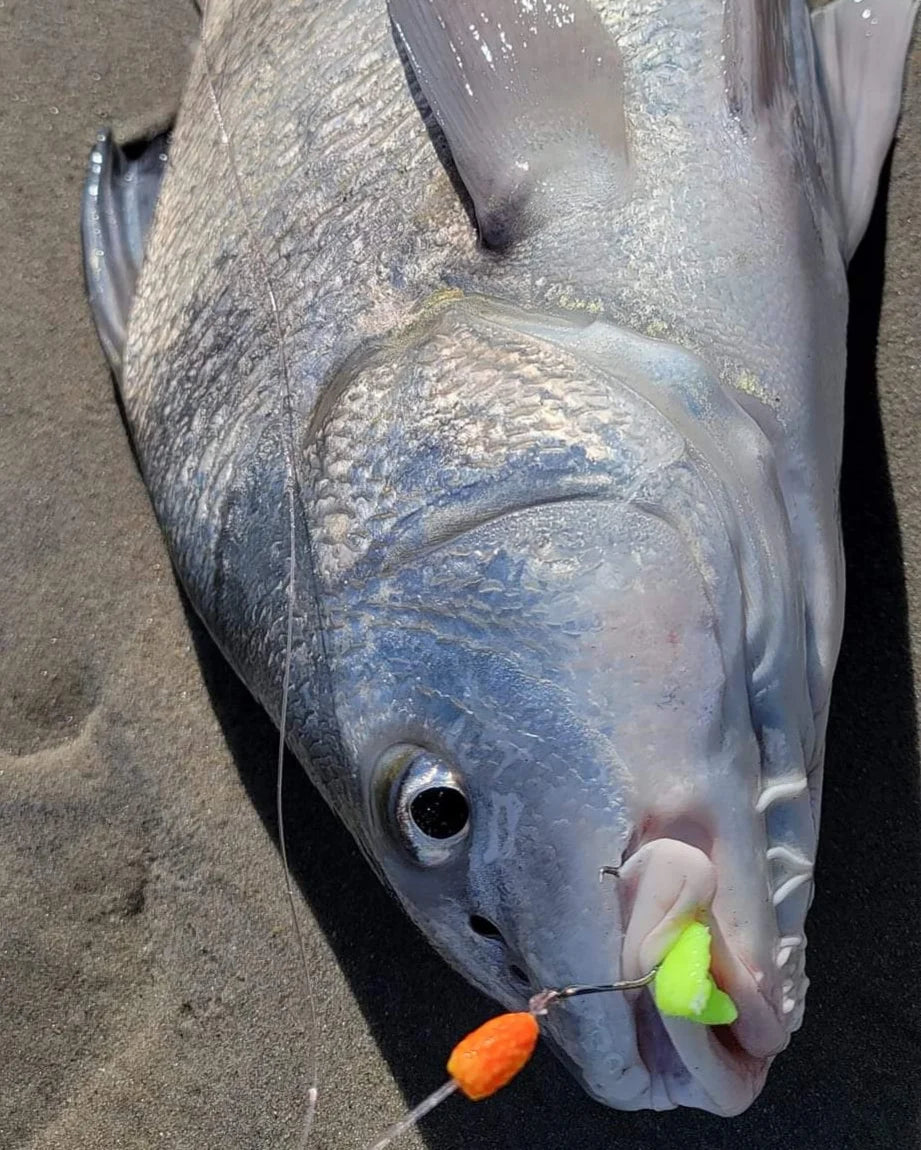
683 986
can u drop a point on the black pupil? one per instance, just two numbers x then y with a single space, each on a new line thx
440 812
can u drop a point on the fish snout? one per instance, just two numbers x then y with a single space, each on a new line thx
624 1051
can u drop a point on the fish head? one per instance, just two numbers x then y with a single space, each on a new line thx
536 627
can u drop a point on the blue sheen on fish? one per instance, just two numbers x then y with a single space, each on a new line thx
538 308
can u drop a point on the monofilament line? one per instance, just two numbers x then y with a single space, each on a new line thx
414 1116
290 494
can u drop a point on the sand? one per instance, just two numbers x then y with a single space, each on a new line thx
150 990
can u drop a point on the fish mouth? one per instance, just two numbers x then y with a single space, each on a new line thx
695 1066
668 882
720 1069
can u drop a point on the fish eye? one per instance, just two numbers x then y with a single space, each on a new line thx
440 812
425 803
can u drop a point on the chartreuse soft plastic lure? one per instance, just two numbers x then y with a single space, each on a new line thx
683 986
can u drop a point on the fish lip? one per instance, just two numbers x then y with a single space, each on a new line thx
677 1063
721 1069
690 1065
717 1061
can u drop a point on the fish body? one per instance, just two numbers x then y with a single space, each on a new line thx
525 324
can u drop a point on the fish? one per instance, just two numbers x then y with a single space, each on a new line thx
484 362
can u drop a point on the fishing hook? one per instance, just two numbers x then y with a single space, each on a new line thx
539 1002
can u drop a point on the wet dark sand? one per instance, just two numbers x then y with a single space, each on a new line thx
150 993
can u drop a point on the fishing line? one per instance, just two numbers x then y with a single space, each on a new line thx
290 495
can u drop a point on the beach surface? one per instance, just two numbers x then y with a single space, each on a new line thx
151 990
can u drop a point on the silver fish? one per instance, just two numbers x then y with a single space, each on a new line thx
509 336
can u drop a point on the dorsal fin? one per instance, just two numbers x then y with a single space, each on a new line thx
118 204
861 48
529 94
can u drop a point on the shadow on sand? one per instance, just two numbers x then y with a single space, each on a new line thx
852 1077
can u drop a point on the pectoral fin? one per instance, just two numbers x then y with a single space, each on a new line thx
861 48
529 94
118 204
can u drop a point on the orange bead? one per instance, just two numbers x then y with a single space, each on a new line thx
492 1055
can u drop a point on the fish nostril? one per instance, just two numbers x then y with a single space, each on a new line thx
484 928
519 975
